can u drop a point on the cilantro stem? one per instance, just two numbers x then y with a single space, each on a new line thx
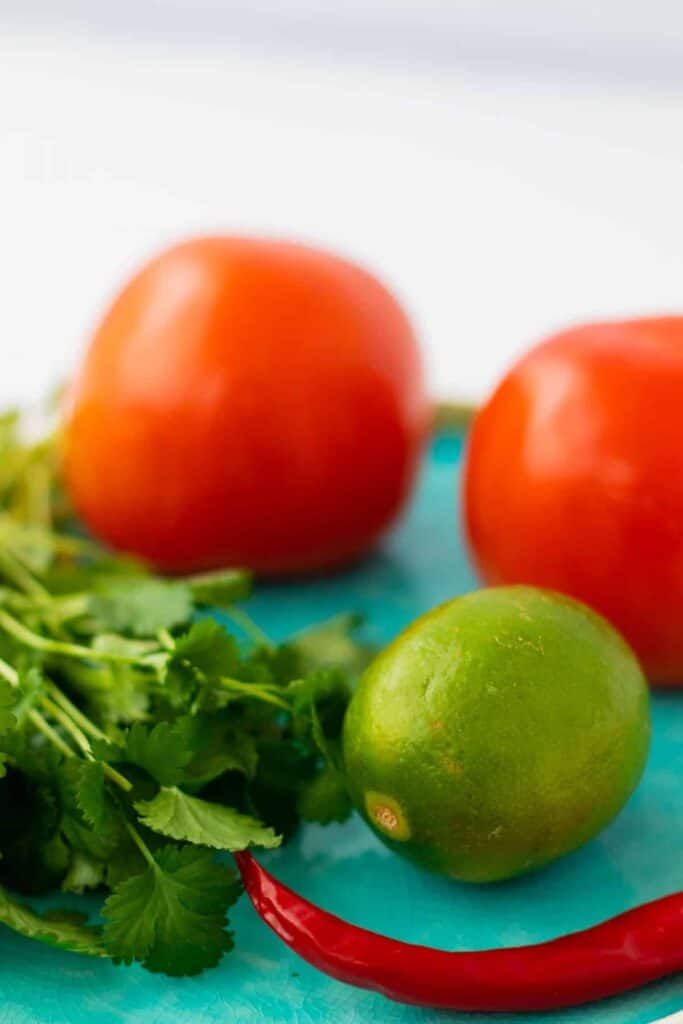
57 543
12 677
84 743
246 623
116 777
42 643
120 780
61 606
14 569
9 673
141 844
67 724
166 640
257 691
75 713
48 731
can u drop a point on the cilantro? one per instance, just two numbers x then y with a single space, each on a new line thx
124 861
161 750
84 873
219 747
331 644
179 816
29 692
92 799
172 917
140 606
138 734
220 589
208 649
324 798
285 765
8 700
62 932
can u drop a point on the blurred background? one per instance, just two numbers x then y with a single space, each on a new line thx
507 166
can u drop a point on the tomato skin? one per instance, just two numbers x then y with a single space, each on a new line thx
246 402
574 479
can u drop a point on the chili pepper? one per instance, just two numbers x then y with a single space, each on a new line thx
622 953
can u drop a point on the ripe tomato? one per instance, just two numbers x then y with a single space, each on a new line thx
574 479
246 402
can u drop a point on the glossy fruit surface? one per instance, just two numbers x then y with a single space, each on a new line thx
498 732
246 402
574 480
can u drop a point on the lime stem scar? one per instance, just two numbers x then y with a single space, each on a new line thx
387 815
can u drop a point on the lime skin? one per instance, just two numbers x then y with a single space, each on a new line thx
496 733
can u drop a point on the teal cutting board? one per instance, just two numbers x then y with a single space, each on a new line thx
346 870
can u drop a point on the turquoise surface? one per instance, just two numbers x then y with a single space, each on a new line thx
347 871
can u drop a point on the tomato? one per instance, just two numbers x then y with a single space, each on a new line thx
574 479
246 402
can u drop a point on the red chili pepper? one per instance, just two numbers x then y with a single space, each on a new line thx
623 953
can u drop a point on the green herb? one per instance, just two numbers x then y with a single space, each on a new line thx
180 816
65 931
173 916
138 736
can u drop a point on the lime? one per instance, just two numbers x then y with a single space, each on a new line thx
499 731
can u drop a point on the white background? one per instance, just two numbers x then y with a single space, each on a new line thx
508 166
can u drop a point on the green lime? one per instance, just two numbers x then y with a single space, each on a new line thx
498 732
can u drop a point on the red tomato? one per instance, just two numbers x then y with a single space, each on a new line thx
246 402
574 479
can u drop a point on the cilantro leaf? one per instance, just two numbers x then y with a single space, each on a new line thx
219 747
324 798
284 766
321 685
220 588
319 702
172 917
91 820
92 798
84 873
204 652
277 664
124 861
90 793
112 694
31 689
331 644
180 816
55 930
112 643
328 746
93 843
208 649
162 750
141 605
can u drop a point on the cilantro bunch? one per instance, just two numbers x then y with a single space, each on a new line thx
139 737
